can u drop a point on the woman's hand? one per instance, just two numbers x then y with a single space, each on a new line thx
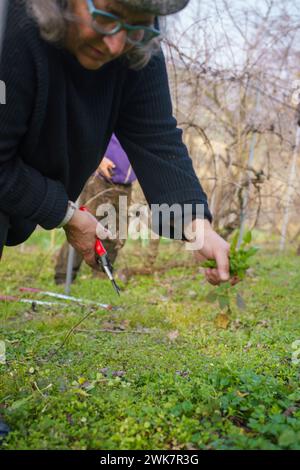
106 168
82 232
209 245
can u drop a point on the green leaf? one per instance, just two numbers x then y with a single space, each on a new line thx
247 238
240 274
252 251
210 263
223 301
17 404
287 438
234 242
295 396
211 296
224 287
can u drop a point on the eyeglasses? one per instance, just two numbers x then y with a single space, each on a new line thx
108 24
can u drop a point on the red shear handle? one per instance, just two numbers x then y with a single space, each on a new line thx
99 248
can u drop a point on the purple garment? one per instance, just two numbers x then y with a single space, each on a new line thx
123 173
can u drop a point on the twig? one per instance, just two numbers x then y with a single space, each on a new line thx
38 390
107 330
70 332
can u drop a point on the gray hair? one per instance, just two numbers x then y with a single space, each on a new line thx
52 17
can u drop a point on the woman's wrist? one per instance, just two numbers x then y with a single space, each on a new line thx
71 209
194 227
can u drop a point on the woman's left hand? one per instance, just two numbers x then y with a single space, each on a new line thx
208 245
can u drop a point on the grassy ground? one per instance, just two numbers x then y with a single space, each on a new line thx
159 373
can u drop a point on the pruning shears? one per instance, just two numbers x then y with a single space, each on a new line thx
102 259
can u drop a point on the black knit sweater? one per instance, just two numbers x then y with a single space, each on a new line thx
57 122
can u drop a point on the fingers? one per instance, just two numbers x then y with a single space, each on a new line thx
199 257
222 260
103 233
105 172
221 274
106 168
90 259
82 235
106 162
212 276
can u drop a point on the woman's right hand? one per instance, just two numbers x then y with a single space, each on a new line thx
82 232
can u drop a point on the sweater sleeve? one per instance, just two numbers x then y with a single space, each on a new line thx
24 192
148 132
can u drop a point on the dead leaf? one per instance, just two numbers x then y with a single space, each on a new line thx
141 329
28 316
88 386
264 323
241 394
248 346
114 326
182 373
70 419
118 373
190 446
222 321
108 325
290 411
239 422
106 372
192 294
173 335
236 324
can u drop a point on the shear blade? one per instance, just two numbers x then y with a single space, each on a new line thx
116 287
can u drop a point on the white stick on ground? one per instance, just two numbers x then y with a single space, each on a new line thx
64 297
70 264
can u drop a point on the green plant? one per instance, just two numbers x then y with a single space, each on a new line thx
239 263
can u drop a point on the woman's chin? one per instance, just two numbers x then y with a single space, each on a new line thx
90 64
